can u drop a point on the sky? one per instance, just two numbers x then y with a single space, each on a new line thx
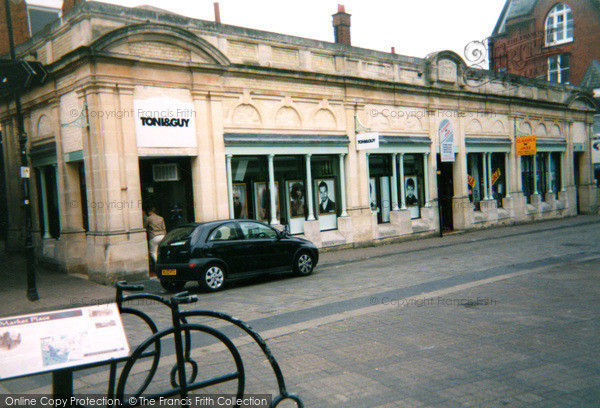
415 28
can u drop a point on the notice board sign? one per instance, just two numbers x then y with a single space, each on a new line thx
526 145
48 341
446 141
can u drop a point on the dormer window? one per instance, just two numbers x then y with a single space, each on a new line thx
559 25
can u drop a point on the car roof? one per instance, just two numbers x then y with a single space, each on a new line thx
211 224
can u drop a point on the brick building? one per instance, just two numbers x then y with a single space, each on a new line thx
544 39
211 121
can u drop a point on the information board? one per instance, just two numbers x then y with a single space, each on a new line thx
47 341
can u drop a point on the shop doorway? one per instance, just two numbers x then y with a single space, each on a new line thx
167 184
445 184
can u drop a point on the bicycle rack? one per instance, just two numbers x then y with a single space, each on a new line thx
181 331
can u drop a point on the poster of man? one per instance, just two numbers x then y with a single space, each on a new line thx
240 209
410 184
297 201
263 201
326 189
373 195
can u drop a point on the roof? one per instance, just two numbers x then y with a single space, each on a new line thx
591 79
513 9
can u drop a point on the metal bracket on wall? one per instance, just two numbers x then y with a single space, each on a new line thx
81 120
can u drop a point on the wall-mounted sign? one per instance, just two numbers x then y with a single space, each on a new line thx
526 145
367 140
164 122
446 141
48 341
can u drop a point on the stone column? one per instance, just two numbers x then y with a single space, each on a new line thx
426 178
343 185
485 176
309 190
562 171
394 183
549 173
273 192
535 191
368 180
402 187
489 174
506 175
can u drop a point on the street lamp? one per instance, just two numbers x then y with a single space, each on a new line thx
32 294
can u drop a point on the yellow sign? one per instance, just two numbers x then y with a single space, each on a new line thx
526 145
495 176
470 180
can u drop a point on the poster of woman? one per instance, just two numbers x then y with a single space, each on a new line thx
240 208
296 197
262 198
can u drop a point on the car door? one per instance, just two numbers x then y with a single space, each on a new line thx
269 250
225 243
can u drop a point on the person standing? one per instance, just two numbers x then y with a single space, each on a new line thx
155 227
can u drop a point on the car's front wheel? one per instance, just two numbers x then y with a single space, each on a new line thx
304 264
172 286
213 278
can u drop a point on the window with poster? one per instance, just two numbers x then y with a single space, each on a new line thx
380 172
325 170
413 184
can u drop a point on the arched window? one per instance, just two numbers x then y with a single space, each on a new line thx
559 25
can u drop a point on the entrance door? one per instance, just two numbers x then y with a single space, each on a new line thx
167 184
445 193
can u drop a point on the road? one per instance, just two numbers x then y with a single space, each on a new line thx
507 317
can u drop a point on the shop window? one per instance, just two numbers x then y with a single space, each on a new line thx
542 171
83 197
325 171
497 177
555 175
414 188
49 216
475 179
527 176
380 200
247 173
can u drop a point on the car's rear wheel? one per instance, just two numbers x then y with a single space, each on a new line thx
213 278
304 264
172 286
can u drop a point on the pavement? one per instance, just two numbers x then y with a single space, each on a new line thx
498 317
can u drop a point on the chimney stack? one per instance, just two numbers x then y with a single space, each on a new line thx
217 13
341 26
393 50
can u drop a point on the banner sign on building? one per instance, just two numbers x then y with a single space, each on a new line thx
446 141
48 341
495 176
367 140
526 145
164 122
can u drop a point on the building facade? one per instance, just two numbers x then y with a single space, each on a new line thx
208 121
556 41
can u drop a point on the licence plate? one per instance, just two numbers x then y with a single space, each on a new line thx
169 272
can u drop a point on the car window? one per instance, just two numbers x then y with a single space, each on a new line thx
178 236
254 230
226 232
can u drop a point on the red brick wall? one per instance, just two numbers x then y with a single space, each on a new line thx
18 14
523 52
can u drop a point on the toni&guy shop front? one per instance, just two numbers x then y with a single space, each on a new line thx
299 176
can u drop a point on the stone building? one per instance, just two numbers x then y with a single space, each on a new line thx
208 121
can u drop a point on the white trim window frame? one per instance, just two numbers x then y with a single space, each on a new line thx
558 68
559 25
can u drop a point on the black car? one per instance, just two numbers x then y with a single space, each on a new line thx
214 252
